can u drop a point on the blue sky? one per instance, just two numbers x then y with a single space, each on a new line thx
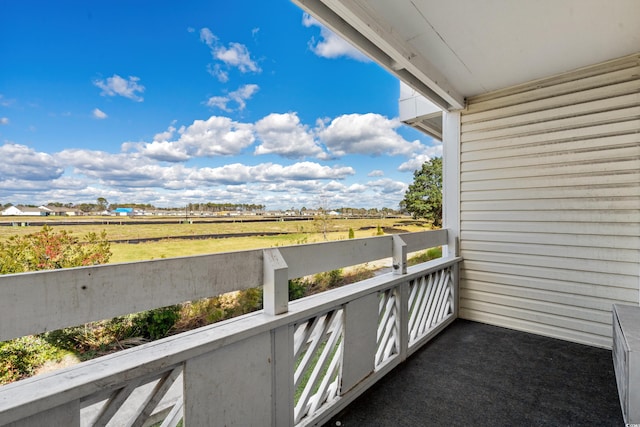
169 103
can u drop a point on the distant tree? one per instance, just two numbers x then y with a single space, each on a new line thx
322 222
102 203
423 198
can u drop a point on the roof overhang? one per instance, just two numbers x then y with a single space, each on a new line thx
448 51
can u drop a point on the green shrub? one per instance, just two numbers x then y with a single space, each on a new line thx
297 289
19 358
352 234
155 324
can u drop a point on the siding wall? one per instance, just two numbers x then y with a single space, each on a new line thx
550 203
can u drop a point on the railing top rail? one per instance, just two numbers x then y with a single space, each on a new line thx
18 400
54 299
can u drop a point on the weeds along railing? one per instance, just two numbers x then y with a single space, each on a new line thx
293 363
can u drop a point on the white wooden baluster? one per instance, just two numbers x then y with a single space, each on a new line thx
156 396
387 333
326 367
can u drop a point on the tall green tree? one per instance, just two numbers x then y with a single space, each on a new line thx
102 203
423 198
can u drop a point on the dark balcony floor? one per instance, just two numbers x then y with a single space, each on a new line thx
474 374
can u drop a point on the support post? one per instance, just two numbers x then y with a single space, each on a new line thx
399 255
275 285
451 181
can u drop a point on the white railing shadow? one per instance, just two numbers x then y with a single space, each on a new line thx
293 363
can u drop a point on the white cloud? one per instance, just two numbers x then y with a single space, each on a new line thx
207 37
376 172
217 72
330 44
283 134
216 136
121 169
416 161
387 186
116 85
367 134
357 188
23 163
234 55
99 114
219 102
238 173
239 96
4 120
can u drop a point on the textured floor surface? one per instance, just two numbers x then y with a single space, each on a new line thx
474 374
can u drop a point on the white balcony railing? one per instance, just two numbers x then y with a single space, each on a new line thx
293 363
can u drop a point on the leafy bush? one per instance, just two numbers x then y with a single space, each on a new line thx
155 324
46 250
352 234
19 358
297 289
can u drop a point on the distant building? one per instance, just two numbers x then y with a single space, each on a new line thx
123 211
25 211
61 211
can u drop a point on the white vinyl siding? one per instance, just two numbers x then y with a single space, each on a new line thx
550 203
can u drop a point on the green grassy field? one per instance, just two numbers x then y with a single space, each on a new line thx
294 232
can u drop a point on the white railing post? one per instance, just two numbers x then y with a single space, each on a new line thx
275 285
399 255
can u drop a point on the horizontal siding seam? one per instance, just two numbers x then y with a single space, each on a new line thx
545 318
577 312
553 331
467 282
561 112
557 124
478 112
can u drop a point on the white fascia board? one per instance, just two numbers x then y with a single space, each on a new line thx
373 27
411 70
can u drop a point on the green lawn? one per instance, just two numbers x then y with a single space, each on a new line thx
294 232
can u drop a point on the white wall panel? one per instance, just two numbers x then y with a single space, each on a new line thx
550 203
